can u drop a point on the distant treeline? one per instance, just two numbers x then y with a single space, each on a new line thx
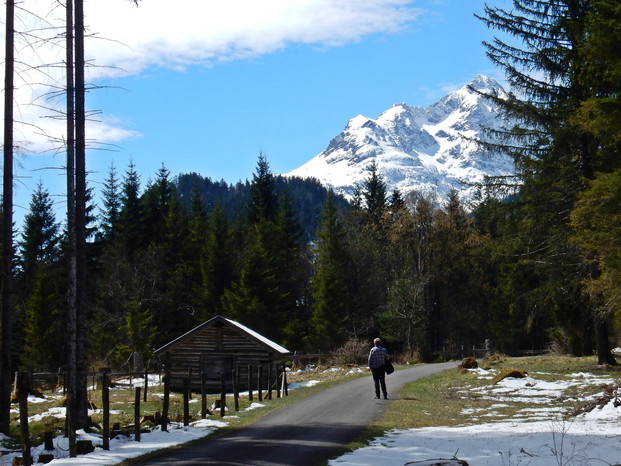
307 196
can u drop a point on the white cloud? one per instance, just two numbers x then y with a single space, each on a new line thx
127 39
154 33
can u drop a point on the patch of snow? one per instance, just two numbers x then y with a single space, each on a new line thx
539 435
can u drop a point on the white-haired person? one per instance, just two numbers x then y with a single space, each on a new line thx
378 357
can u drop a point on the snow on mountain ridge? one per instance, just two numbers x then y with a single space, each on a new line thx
428 149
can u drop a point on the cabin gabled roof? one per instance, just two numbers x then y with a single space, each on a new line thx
262 341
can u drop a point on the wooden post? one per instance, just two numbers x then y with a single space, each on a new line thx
259 377
236 387
105 401
190 382
269 381
48 440
166 401
278 379
22 387
137 415
222 393
146 385
186 401
250 383
285 383
61 379
203 395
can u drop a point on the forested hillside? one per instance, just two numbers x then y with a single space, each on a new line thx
533 264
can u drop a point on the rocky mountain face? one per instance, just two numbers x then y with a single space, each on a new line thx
426 149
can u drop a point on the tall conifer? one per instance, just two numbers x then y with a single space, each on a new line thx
331 291
542 62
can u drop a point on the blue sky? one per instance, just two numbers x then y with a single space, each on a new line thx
206 90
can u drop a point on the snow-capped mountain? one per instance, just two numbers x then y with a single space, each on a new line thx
427 149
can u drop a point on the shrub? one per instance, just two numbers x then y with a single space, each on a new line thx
353 352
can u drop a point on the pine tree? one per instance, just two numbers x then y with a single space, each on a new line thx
135 334
367 235
156 200
553 154
263 202
40 240
331 290
600 73
216 263
111 212
198 226
594 215
45 324
131 219
258 298
595 219
293 273
40 284
374 194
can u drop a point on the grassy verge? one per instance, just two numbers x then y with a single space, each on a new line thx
450 398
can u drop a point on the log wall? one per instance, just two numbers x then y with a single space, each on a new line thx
213 350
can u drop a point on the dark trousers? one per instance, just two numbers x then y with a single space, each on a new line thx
379 378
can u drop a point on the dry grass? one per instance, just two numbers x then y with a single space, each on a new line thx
446 399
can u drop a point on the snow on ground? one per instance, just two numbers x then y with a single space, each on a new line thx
540 435
537 436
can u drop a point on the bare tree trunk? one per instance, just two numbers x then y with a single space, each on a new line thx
71 253
80 218
604 355
7 225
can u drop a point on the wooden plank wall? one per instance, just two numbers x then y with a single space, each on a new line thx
186 356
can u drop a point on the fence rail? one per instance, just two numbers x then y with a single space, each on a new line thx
105 379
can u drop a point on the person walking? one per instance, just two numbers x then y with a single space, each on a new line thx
378 357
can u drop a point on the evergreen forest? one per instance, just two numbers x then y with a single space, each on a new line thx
534 263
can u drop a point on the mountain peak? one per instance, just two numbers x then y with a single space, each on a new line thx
425 149
482 83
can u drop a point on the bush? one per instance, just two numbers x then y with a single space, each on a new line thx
353 352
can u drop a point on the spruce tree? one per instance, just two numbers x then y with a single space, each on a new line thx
40 285
45 323
595 219
40 240
595 215
293 271
156 201
370 271
553 155
331 292
257 298
131 219
263 201
111 197
374 194
216 263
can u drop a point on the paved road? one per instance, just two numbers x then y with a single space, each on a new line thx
304 433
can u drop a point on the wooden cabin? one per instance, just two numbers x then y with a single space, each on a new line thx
220 346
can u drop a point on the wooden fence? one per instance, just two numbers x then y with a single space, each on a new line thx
105 379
